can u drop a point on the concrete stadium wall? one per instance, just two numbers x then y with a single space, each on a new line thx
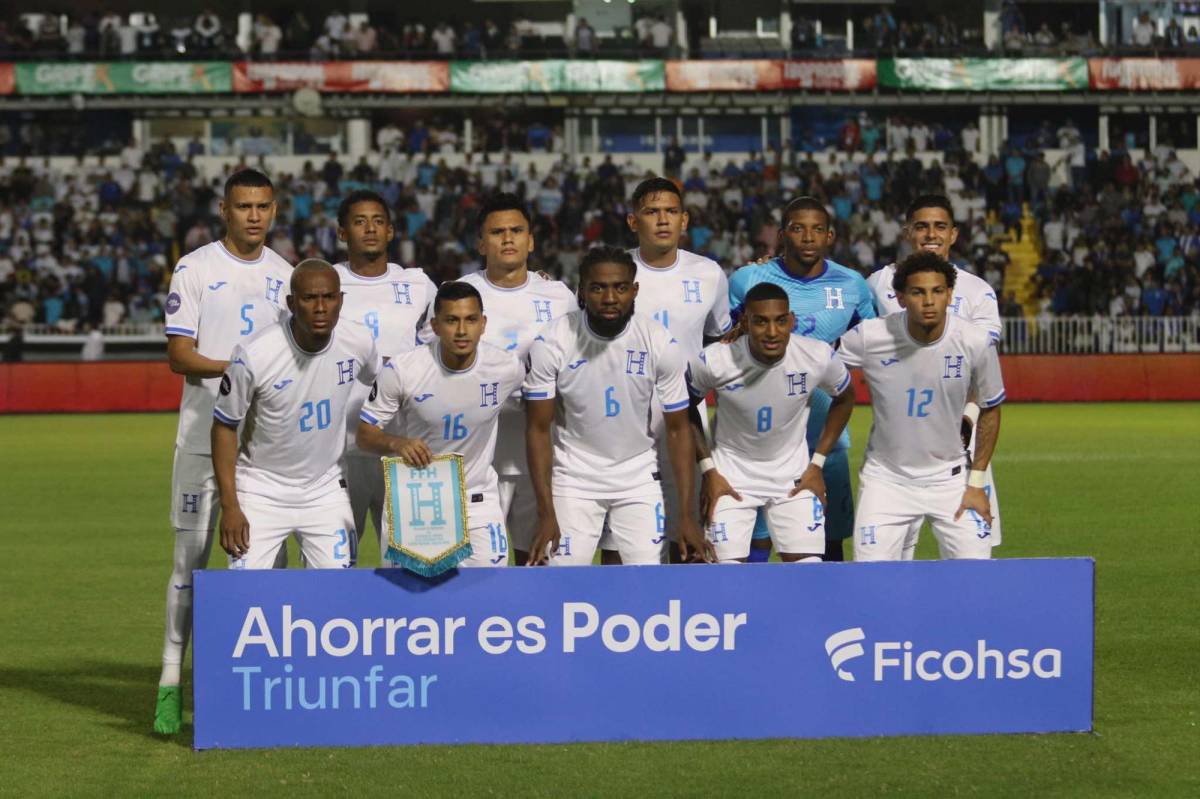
135 386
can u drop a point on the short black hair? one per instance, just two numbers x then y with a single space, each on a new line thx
605 255
502 201
929 201
311 266
361 196
249 178
765 291
654 185
923 261
804 203
454 290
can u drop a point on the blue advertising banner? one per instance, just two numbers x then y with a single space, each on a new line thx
357 657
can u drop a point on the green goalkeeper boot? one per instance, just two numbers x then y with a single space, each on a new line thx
168 712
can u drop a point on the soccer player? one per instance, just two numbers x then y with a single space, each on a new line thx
395 304
606 365
220 295
290 386
687 292
921 365
519 304
764 380
930 227
448 396
827 299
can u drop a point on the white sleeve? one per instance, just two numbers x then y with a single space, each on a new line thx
987 315
986 380
669 382
372 364
544 363
699 376
236 391
853 349
183 301
386 395
834 378
719 320
424 333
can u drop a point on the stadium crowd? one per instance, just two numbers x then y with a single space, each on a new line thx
92 247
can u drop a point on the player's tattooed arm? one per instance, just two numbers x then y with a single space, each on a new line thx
235 529
681 450
713 484
413 451
813 477
975 497
539 415
185 360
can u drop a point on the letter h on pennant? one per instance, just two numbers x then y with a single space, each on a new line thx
434 503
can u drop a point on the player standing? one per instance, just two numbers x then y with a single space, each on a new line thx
291 386
395 304
606 365
518 304
686 292
220 294
449 395
827 299
761 460
930 227
921 365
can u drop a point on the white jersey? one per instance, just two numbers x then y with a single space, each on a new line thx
690 298
514 317
762 410
973 299
396 307
918 392
450 411
220 301
293 405
603 447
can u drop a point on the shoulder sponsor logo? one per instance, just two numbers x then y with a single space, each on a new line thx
226 385
174 302
906 662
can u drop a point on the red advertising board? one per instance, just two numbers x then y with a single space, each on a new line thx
753 76
1144 74
386 77
8 79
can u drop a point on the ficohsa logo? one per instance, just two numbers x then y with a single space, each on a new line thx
901 660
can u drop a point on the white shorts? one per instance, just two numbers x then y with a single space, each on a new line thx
796 524
325 532
635 524
489 539
888 519
364 482
195 500
518 509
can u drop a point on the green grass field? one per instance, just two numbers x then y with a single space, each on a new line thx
86 549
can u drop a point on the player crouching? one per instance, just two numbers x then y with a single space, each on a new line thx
291 385
921 366
763 381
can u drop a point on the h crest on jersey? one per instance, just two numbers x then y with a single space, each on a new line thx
490 394
691 292
797 383
954 367
833 298
541 310
402 293
635 359
274 286
345 372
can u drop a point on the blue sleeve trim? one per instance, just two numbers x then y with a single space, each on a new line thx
180 331
844 384
994 401
368 418
226 419
537 395
675 406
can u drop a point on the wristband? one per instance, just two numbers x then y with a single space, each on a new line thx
971 412
977 478
818 460
706 465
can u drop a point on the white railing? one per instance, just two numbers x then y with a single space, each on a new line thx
129 333
1080 335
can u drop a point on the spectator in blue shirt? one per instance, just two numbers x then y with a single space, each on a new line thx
1014 168
1154 298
